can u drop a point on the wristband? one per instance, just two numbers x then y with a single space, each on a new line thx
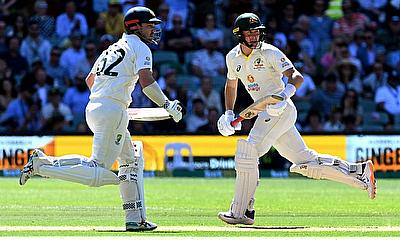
289 91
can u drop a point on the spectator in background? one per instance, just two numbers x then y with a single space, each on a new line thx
377 78
313 122
91 55
76 98
387 97
56 71
368 51
34 47
391 39
389 36
18 27
208 62
73 56
5 7
328 96
128 4
14 116
305 91
351 21
178 39
198 117
172 90
5 71
210 32
181 8
334 124
33 118
320 27
350 123
105 41
98 30
288 18
45 21
351 106
374 9
57 115
300 36
3 37
208 95
273 35
114 20
211 126
163 15
42 84
348 75
17 63
7 94
70 21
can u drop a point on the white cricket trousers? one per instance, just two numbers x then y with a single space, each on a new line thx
281 133
108 120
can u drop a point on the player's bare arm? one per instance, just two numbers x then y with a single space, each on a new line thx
230 93
154 93
90 80
294 77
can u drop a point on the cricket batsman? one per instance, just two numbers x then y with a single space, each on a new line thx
112 81
260 67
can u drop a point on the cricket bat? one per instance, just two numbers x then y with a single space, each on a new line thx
257 107
147 114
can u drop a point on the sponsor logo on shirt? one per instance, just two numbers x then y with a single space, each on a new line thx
238 67
258 64
284 62
147 63
250 78
253 87
148 58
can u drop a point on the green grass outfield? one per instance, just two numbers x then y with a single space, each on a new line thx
186 207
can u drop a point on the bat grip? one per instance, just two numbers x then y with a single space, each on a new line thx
236 121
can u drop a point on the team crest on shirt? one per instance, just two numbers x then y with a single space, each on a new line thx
258 64
238 67
118 139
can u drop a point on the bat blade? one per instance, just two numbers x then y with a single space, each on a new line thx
257 107
147 114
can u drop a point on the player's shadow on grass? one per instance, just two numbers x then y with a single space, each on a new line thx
273 227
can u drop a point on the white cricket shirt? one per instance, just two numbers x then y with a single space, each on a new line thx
260 72
117 69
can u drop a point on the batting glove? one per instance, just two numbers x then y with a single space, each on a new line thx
175 109
224 124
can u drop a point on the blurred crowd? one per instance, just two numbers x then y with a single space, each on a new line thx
347 50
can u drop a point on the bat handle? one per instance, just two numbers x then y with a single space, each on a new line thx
236 121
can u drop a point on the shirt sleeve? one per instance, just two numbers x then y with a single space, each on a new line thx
278 60
380 95
231 69
144 58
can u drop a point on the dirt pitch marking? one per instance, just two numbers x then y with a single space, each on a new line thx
199 228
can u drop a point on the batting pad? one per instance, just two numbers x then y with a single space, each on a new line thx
131 186
246 165
78 169
331 168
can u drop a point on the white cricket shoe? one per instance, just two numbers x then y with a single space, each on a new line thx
28 171
247 219
368 177
138 227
